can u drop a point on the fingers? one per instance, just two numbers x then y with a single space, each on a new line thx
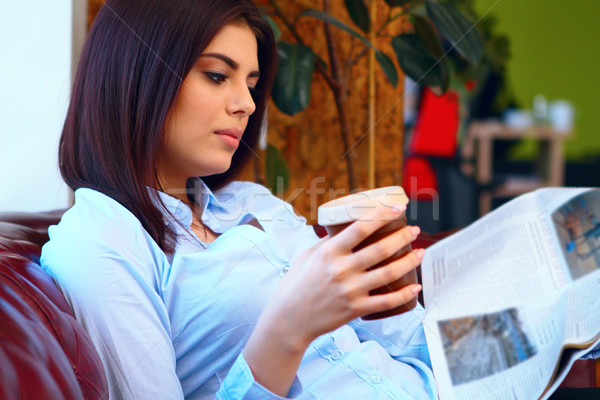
386 247
388 301
365 226
386 275
392 286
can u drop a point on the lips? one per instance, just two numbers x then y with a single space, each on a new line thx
230 136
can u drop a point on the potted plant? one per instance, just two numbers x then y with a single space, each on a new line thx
420 46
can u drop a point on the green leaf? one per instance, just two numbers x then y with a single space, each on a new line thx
428 36
388 67
277 171
384 61
359 13
418 10
291 88
418 63
397 3
276 30
457 29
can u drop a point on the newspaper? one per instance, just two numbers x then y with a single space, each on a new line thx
513 300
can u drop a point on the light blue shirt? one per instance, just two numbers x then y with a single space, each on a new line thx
169 327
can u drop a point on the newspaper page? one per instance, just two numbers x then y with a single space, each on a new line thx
577 233
577 227
499 298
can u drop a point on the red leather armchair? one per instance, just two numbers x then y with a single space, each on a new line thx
44 352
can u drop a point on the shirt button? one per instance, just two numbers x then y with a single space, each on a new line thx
286 269
336 355
376 379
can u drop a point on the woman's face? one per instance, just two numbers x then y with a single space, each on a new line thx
211 111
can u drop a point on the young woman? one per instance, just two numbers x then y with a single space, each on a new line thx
191 284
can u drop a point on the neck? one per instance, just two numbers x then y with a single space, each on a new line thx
175 189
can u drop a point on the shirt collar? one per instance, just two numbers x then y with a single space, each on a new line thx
206 198
175 209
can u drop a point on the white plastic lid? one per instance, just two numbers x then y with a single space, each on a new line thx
349 208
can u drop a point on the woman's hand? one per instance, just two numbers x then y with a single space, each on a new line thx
329 284
327 287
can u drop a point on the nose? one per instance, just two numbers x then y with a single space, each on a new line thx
241 102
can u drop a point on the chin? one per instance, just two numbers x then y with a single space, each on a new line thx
216 170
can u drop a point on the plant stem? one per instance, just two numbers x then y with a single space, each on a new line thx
389 20
340 93
363 52
372 86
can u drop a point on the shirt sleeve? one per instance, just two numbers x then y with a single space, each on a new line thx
106 273
240 385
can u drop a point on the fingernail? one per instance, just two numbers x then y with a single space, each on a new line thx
416 289
399 208
415 230
420 253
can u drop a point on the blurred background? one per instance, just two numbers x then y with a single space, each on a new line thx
523 118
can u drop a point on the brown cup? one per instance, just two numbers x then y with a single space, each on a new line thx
336 215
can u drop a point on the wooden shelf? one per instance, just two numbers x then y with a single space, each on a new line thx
479 146
515 186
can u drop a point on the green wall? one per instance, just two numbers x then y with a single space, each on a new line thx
554 52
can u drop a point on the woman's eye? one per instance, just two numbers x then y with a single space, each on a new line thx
216 77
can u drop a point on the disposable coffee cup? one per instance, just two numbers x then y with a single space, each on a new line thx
338 214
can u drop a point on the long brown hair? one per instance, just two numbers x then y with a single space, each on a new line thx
131 68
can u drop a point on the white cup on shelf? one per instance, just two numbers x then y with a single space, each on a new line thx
561 115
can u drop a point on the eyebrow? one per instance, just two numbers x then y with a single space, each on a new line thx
232 64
